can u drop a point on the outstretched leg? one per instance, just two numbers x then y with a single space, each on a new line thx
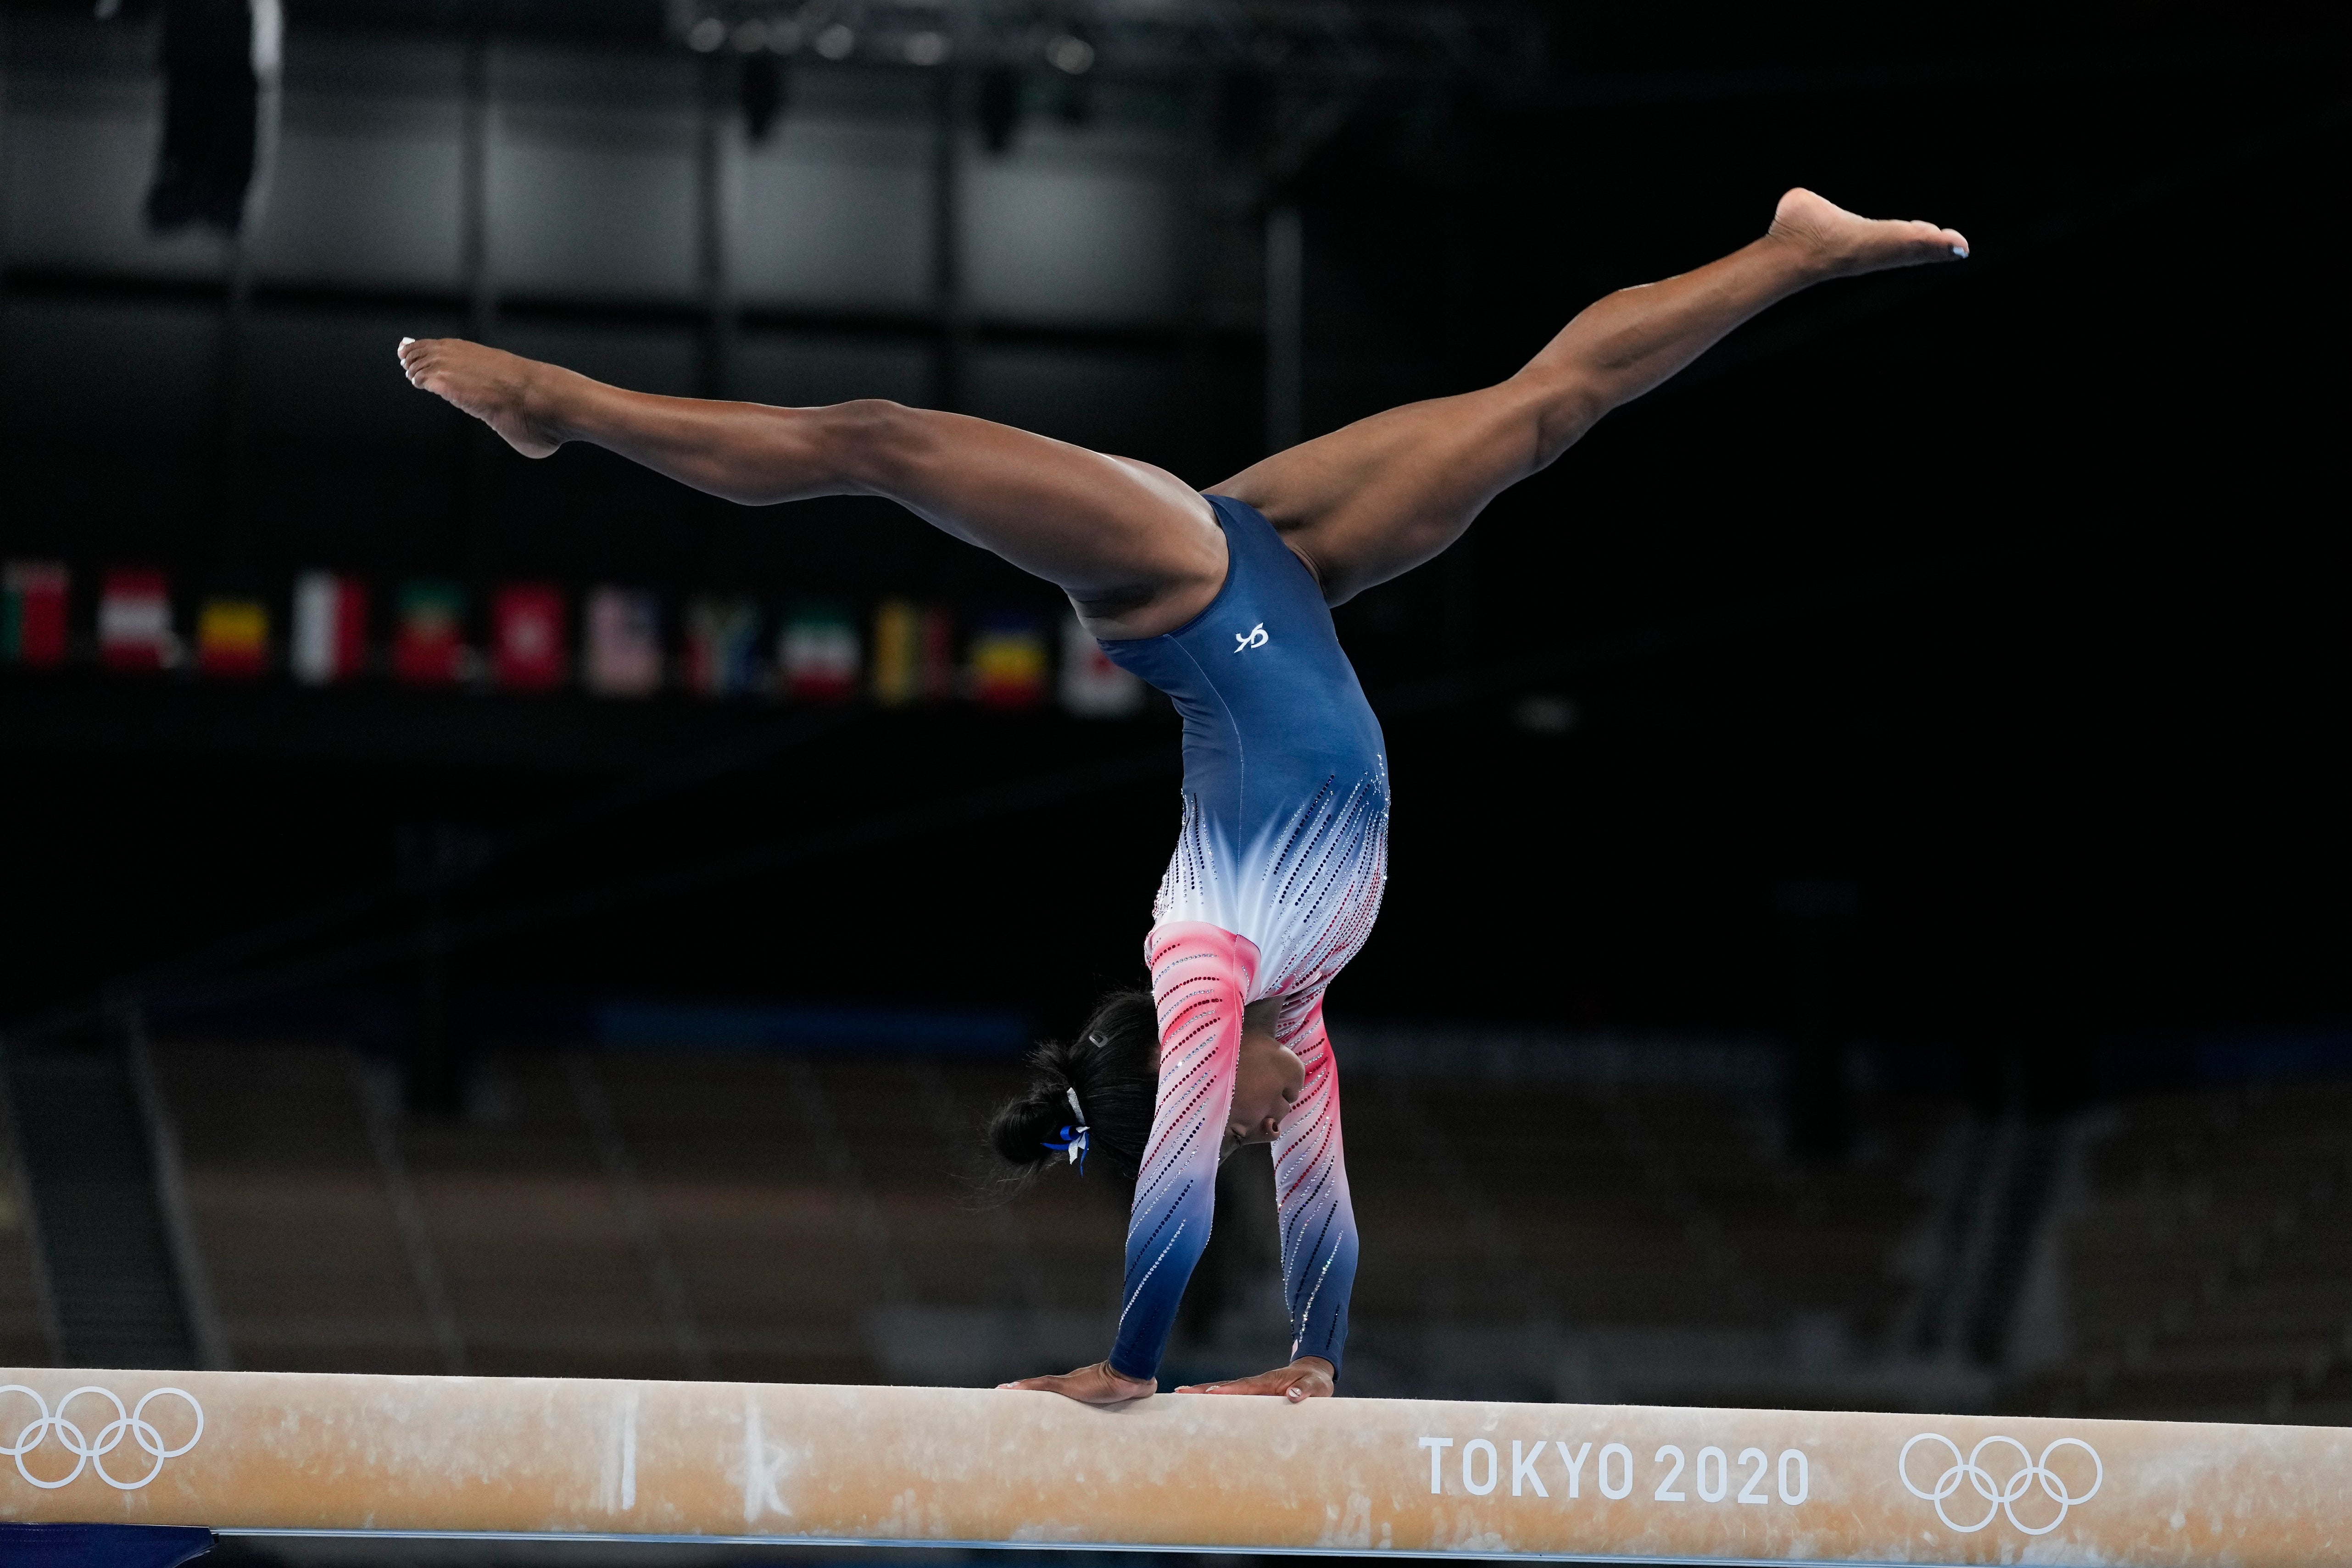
1380 497
1136 549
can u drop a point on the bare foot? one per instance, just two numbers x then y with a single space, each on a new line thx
1308 1377
1096 1384
1843 244
503 391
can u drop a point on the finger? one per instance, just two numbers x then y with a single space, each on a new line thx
1294 1393
1260 1384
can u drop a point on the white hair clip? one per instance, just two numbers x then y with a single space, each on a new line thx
1072 1140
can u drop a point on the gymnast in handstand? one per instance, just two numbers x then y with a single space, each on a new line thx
1223 601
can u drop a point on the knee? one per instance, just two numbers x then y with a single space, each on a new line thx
871 441
1560 410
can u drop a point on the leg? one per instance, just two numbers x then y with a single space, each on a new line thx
1133 546
1380 497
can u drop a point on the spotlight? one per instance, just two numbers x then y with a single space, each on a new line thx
783 36
1071 53
705 35
927 49
836 41
749 37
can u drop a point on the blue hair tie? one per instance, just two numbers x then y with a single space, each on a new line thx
1072 1141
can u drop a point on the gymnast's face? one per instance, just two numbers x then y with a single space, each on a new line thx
1267 1084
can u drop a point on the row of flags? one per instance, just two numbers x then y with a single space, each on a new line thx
815 650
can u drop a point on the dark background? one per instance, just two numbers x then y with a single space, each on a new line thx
1957 655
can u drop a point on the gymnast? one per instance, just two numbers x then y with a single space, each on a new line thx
1221 600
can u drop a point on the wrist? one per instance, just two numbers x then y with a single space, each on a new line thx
1127 1379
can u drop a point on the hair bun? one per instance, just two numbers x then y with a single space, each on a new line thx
1020 1127
1112 1069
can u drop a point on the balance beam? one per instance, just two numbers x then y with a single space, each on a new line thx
261 1452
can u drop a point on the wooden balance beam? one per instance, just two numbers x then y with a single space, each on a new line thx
254 1452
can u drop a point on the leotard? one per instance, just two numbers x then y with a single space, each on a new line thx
1274 886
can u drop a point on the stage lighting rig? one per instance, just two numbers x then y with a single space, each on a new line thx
1358 41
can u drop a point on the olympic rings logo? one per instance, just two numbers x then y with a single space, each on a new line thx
2001 1499
90 1452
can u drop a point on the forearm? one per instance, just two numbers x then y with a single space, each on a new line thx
1199 977
1318 1219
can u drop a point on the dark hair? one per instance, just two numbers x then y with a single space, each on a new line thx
1114 1065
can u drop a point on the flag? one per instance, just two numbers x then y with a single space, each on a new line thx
722 646
232 638
330 628
816 653
428 638
135 620
33 612
1008 662
914 654
527 637
624 655
1092 687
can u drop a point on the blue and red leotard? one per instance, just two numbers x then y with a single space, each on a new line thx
1274 886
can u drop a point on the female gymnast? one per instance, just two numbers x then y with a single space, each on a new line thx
1221 600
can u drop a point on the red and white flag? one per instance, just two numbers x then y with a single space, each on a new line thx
330 628
624 655
527 637
1092 687
135 620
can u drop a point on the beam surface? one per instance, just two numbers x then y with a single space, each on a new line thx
290 1451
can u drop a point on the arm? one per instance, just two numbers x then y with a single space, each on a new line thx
1318 1222
1199 977
1310 1192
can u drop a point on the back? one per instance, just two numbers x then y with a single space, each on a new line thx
1285 774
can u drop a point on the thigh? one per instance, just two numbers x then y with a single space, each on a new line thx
1137 549
1378 497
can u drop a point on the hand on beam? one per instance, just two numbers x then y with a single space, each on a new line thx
1096 1384
1308 1377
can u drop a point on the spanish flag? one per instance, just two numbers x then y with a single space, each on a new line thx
232 638
1008 662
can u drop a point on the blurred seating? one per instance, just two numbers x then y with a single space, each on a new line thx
825 1219
1648 1241
797 1205
2207 1261
24 1332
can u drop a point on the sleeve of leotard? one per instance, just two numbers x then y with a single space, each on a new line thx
1200 978
1310 1195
